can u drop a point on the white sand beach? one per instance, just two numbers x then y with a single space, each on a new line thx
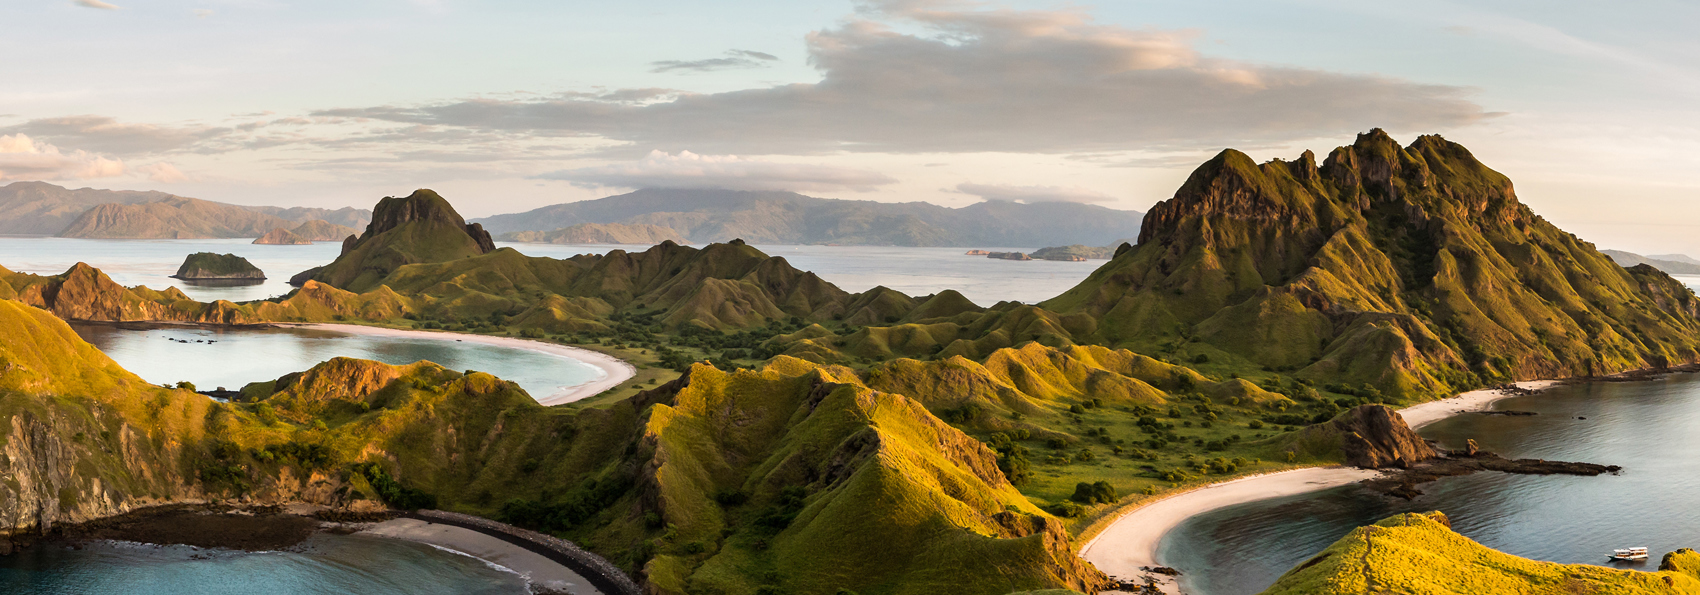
537 570
1424 414
1131 540
611 370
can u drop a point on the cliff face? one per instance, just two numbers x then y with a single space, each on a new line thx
1413 269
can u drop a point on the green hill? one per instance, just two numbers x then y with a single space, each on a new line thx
1419 554
1413 269
418 228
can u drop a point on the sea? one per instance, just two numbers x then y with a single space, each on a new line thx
324 564
1650 428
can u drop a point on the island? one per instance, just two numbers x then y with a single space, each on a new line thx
283 237
1075 253
207 266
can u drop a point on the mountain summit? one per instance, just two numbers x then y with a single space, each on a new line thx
1411 268
418 228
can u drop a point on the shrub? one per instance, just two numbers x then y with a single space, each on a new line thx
1099 492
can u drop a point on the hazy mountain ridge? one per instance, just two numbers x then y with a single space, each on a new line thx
39 208
768 217
1669 263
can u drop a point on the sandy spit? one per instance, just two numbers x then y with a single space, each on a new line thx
537 570
611 370
1131 540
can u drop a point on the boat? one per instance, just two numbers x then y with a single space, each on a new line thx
1629 553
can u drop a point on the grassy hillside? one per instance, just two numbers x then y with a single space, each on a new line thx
1413 269
319 230
790 218
1419 554
417 228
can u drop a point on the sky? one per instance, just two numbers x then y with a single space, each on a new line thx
505 105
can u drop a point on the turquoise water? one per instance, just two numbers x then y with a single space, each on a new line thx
242 355
1651 429
324 564
914 271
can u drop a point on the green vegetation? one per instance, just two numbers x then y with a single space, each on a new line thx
207 265
784 435
1420 554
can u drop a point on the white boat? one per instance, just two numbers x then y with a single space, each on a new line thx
1629 553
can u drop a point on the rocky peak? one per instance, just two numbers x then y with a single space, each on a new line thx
1375 437
423 205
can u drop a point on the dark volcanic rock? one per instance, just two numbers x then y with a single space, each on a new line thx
1404 483
1376 437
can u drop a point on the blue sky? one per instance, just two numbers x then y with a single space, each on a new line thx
505 106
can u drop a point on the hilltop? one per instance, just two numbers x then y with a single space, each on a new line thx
208 265
1419 553
704 216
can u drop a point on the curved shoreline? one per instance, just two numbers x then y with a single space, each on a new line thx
612 370
1130 541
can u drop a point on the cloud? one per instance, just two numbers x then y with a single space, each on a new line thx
1033 194
734 59
975 80
96 4
24 158
164 173
202 12
690 170
108 135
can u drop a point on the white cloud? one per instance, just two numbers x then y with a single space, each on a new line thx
162 172
23 158
1033 194
690 170
96 4
202 12
976 80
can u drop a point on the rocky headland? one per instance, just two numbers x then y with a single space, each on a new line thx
283 237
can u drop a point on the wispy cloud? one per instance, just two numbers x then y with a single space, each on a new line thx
734 59
96 4
1027 81
1033 194
690 170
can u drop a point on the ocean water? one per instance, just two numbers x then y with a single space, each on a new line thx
324 564
1651 429
914 271
238 356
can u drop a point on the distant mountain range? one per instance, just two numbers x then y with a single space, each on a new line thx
39 208
702 216
1675 264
